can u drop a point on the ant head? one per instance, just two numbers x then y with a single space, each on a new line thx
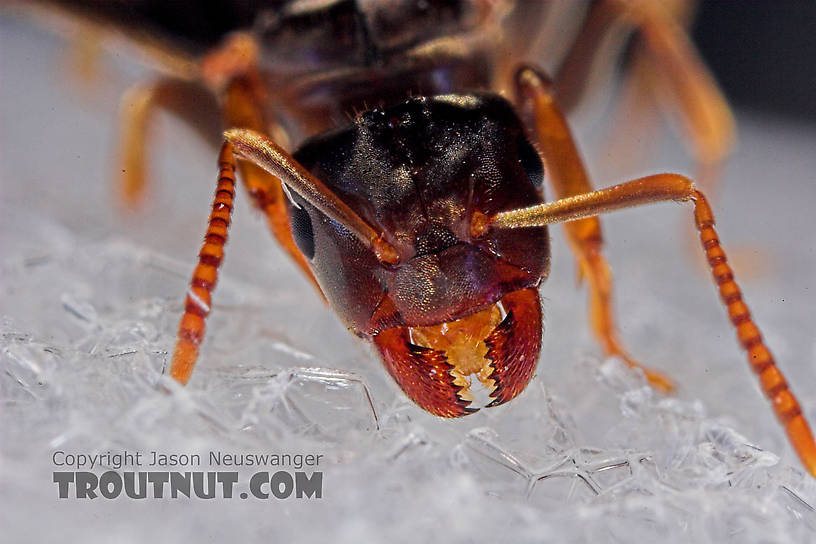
419 172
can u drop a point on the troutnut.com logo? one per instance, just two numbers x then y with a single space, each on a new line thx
145 475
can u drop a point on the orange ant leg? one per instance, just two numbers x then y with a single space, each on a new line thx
242 110
684 86
197 304
136 108
688 89
568 176
664 187
91 31
190 101
85 55
190 92
601 35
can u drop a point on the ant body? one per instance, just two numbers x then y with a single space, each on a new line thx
423 221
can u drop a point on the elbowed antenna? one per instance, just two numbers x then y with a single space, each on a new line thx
271 157
661 188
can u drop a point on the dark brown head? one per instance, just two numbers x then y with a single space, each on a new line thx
455 304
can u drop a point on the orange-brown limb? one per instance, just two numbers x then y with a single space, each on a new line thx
663 187
188 100
198 302
655 188
242 109
687 87
85 55
191 95
681 80
569 178
135 108
601 35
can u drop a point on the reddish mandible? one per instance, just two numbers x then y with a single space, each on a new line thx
423 221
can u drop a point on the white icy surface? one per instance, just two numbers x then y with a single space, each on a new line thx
90 297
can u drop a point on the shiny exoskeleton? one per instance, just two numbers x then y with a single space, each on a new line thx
415 139
420 170
435 149
408 146
414 200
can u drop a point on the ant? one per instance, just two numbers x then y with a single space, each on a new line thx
422 220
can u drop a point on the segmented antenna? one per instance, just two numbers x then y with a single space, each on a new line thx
197 304
773 383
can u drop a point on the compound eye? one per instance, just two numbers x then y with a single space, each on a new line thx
530 161
302 231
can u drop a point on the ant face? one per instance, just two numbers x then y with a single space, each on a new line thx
419 171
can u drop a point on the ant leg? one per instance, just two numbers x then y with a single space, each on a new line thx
197 304
85 55
234 63
566 171
233 68
241 109
600 39
664 187
686 87
135 108
191 94
190 101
